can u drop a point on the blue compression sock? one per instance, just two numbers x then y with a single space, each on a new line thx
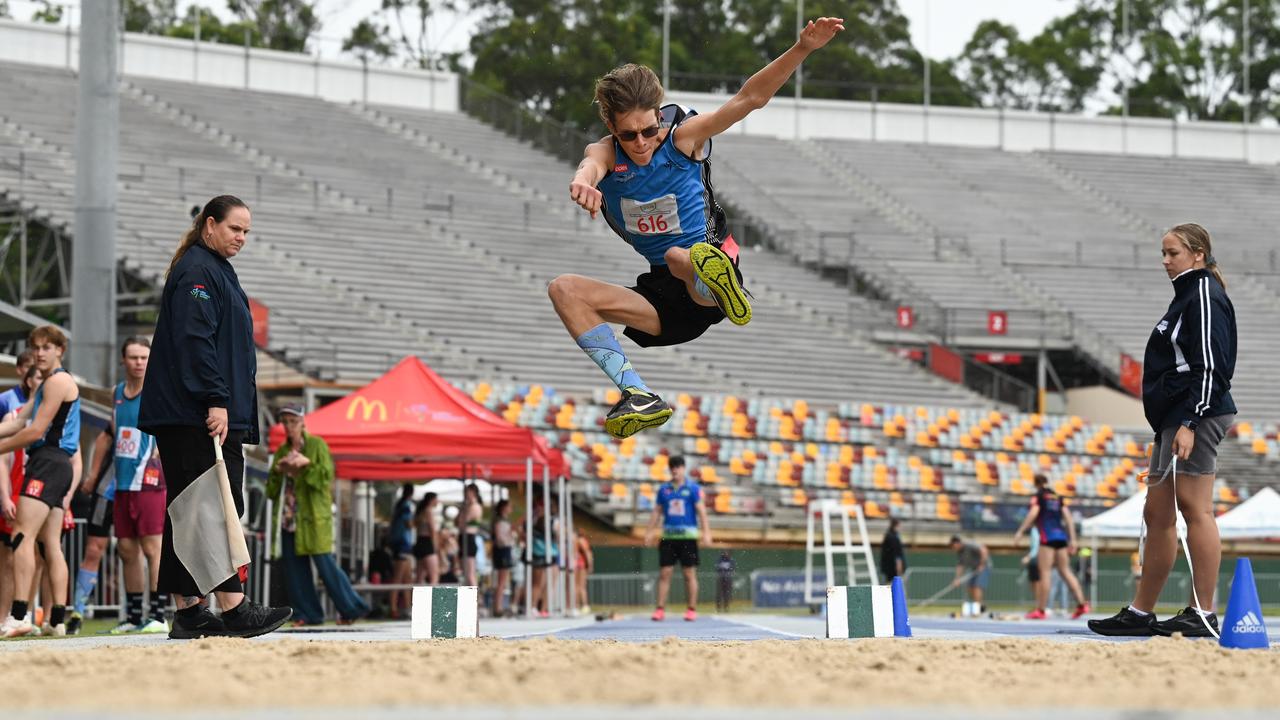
602 347
85 582
702 288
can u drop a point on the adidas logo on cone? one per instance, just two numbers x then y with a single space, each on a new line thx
1250 623
1242 625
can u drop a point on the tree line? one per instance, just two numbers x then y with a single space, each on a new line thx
1146 58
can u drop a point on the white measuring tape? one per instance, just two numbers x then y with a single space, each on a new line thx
1142 539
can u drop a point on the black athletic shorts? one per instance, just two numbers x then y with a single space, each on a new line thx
97 511
680 318
1056 544
424 547
48 475
684 551
471 544
502 559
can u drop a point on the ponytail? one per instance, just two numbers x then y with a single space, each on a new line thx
217 209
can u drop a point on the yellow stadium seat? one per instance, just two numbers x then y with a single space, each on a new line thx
1259 446
870 452
612 396
775 448
702 445
578 440
749 455
738 467
709 475
683 400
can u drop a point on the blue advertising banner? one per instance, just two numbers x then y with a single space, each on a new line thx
784 589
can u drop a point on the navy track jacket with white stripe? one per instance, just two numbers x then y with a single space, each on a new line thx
1191 355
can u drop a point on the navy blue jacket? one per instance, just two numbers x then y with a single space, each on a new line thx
1191 355
202 355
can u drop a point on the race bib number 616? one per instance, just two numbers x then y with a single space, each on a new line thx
660 216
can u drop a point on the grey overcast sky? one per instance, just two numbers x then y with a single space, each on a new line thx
940 27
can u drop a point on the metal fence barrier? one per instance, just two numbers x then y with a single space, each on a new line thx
1007 587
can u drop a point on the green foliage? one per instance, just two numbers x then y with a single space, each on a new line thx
212 29
368 41
1191 59
1057 70
48 12
281 24
548 53
149 16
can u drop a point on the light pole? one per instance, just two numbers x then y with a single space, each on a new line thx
666 44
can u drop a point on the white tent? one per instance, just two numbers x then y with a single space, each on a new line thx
1123 520
1257 517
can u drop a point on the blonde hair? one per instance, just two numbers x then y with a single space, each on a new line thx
626 88
1196 239
217 208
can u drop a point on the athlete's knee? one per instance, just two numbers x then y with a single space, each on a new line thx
564 288
676 256
1158 518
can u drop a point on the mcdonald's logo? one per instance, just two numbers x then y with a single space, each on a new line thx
367 408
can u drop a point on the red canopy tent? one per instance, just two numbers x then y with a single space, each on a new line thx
411 424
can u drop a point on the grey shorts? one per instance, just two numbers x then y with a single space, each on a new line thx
1204 454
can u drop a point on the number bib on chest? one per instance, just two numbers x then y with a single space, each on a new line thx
675 507
128 443
660 216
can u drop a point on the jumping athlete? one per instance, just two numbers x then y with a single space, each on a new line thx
651 179
1057 543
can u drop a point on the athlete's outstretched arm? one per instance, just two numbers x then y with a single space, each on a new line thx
596 161
757 91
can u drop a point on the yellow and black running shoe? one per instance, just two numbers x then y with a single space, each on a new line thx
637 410
715 269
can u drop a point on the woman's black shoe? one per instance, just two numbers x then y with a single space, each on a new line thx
1125 623
1188 623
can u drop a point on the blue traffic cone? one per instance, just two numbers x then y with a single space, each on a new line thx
901 623
1242 625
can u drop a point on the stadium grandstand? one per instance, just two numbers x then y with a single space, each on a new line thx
373 221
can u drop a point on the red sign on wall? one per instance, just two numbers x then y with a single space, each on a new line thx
992 358
261 322
906 317
1130 375
997 322
945 363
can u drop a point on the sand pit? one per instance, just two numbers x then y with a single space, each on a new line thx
1160 673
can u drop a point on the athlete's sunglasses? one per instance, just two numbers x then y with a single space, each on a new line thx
631 135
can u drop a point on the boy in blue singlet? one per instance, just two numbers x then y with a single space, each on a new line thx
49 427
680 505
1057 544
651 180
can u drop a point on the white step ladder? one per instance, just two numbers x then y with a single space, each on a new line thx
826 508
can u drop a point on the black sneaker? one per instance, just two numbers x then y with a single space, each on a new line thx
201 624
75 621
1188 623
636 411
250 619
1125 623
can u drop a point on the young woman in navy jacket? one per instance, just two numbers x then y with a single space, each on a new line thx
1186 396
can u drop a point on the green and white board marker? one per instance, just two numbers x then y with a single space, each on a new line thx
860 611
445 612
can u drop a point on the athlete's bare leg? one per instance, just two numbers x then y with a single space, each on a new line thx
681 267
584 303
